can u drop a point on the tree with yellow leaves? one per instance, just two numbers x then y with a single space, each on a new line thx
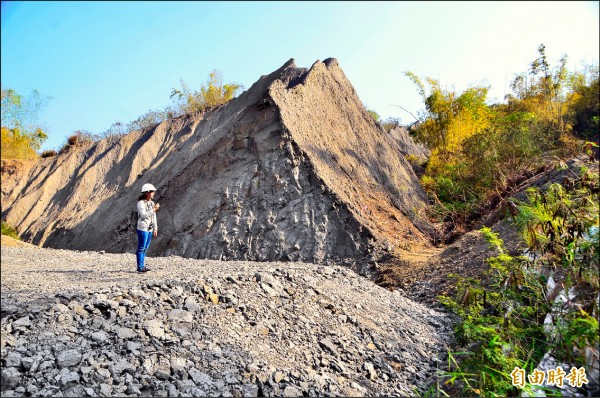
21 135
449 118
476 148
213 93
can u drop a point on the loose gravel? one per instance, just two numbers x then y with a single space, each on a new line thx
87 324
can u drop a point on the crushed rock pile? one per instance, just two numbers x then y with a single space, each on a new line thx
207 328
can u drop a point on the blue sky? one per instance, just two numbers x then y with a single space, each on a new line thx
103 62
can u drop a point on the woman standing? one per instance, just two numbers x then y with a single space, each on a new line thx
147 226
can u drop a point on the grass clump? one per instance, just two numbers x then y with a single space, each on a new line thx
9 231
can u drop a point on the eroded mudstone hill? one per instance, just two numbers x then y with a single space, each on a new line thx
408 146
294 169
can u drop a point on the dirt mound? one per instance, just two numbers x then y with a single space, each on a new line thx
7 241
293 169
425 276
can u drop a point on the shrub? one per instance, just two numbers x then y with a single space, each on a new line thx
373 114
212 94
81 137
48 153
9 231
503 315
64 148
390 123
16 145
478 149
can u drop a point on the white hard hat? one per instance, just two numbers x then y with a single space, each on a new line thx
148 187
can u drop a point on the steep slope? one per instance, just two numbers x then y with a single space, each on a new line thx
292 169
407 145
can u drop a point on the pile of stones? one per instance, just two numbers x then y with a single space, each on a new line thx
228 329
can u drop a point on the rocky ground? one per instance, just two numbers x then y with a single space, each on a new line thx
86 324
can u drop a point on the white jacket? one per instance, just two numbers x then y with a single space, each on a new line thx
146 216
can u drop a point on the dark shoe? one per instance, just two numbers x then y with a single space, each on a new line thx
143 269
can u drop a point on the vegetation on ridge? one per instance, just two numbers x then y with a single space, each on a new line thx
22 137
477 148
504 317
21 132
213 93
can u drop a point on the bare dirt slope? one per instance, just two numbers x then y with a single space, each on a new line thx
424 275
292 169
7 241
407 145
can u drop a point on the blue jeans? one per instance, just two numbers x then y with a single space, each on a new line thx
144 239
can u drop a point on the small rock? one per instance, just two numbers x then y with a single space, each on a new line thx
180 316
23 322
68 358
190 304
155 328
82 312
328 345
291 391
105 390
213 298
250 390
103 374
116 369
133 389
13 360
278 376
163 369
27 363
368 366
99 337
126 333
10 378
133 346
201 379
177 364
65 376
252 368
172 390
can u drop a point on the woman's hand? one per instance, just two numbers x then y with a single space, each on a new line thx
156 207
155 232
